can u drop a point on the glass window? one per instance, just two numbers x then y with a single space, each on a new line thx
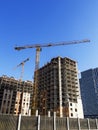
75 109
71 114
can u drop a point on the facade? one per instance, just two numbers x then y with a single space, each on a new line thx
15 96
58 88
89 92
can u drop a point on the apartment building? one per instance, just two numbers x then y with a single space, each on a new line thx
15 96
89 92
58 88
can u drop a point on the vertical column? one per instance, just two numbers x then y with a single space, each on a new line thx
67 123
19 122
79 128
96 124
38 122
54 121
88 124
36 114
49 114
5 91
79 93
60 86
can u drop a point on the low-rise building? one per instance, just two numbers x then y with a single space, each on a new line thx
15 96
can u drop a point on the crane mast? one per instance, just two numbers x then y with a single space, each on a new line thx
38 50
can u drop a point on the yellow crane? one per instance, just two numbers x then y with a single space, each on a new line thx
21 77
40 46
22 64
38 50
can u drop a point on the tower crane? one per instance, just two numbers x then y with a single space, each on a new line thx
38 50
21 76
22 64
40 46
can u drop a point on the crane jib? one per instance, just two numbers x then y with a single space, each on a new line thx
51 44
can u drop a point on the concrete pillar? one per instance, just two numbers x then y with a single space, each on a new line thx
60 86
38 122
97 124
88 124
19 122
49 114
67 123
36 114
79 128
54 121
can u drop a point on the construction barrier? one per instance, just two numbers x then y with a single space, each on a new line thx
12 122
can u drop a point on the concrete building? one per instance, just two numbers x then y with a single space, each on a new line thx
58 88
15 96
89 92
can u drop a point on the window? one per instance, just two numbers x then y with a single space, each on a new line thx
26 113
71 109
71 114
5 96
70 104
75 110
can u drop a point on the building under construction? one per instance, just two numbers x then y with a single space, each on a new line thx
58 88
15 96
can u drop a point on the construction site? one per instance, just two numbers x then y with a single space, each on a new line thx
52 102
55 88
56 85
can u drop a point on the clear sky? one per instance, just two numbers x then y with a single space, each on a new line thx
26 22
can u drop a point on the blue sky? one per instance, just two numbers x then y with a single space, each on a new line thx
26 22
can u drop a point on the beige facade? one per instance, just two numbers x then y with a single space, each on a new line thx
15 96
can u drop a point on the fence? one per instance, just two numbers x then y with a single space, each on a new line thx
11 122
